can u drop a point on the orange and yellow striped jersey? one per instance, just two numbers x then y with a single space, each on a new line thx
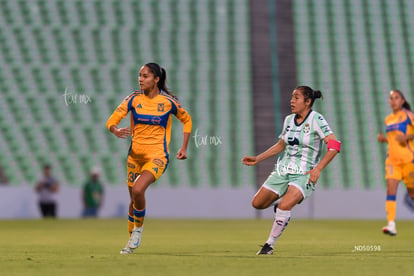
150 121
400 123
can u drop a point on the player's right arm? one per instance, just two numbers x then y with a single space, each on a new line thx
120 112
381 138
272 151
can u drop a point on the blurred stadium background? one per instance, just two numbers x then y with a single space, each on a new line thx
66 65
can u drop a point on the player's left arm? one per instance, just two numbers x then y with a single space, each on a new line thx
185 118
334 147
324 131
409 136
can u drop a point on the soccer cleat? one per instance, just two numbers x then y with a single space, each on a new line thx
265 250
126 250
135 238
390 229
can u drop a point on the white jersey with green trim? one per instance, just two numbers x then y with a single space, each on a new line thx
303 143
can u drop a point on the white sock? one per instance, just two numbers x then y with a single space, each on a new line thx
282 218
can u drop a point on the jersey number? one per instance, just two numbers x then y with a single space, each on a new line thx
132 176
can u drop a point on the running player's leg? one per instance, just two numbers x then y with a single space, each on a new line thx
133 172
292 197
141 184
138 196
274 187
393 176
298 189
133 169
150 172
391 206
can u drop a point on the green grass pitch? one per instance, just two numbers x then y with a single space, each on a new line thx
204 247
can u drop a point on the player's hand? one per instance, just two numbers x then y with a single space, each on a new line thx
122 132
181 154
381 138
401 138
314 175
249 160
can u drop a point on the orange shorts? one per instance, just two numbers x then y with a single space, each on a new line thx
404 172
156 166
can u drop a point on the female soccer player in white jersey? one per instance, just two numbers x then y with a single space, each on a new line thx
296 174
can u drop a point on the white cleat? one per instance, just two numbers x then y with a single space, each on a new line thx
135 239
390 229
126 250
133 242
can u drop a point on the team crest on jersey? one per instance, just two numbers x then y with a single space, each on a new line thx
306 129
160 107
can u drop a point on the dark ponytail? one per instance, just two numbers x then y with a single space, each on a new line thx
309 93
160 72
405 105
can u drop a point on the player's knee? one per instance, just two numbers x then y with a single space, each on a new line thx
137 192
257 204
283 205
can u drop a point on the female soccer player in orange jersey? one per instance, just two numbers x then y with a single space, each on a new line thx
399 164
151 108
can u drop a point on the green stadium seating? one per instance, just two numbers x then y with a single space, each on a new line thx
96 48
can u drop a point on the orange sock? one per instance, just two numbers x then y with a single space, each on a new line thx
139 217
131 224
391 207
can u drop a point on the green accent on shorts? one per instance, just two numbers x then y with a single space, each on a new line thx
279 183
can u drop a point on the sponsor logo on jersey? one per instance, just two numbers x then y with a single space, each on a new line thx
156 120
293 141
155 170
139 106
130 165
158 162
160 107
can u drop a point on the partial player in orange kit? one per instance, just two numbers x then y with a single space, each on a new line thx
399 164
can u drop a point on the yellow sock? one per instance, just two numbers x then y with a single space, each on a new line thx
139 217
131 224
391 208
